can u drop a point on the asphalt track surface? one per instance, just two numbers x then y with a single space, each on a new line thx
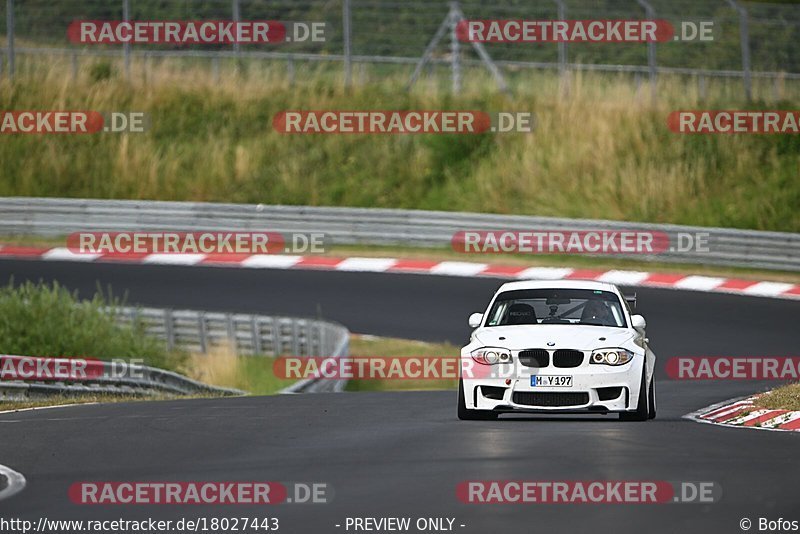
402 454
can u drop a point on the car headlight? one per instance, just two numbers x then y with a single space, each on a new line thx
491 355
611 356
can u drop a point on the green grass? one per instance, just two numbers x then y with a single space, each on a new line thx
390 347
50 321
604 152
221 366
783 398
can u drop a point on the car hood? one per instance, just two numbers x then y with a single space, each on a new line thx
552 337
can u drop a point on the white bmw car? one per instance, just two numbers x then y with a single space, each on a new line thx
557 347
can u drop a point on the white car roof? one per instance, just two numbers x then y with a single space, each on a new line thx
559 284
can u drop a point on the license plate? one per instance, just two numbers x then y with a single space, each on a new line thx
551 381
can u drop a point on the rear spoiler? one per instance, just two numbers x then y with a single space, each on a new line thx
631 299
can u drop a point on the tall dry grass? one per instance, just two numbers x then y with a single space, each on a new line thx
602 151
221 366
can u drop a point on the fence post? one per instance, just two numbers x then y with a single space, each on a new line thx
701 83
236 15
215 68
10 29
562 49
290 70
455 49
126 47
744 40
348 52
650 13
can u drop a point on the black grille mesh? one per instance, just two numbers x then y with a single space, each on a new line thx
532 398
567 358
534 358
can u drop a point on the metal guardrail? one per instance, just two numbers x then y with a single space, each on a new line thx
368 226
198 331
138 380
319 384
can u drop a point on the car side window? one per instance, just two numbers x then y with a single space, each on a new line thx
499 312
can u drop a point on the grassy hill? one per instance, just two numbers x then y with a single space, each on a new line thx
603 152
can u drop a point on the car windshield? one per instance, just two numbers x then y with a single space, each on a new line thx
557 306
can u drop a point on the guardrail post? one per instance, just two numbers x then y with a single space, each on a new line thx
323 341
295 339
277 349
202 332
169 329
348 53
10 34
255 332
232 332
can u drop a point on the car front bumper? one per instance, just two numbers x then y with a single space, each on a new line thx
594 389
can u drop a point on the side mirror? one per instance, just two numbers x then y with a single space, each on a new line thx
475 320
638 322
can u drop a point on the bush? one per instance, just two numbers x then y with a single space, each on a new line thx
48 320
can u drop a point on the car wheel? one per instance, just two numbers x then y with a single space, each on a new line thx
466 414
641 413
651 414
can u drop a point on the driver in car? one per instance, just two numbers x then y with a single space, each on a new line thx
596 312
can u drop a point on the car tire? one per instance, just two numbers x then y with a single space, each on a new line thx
642 413
466 414
651 413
